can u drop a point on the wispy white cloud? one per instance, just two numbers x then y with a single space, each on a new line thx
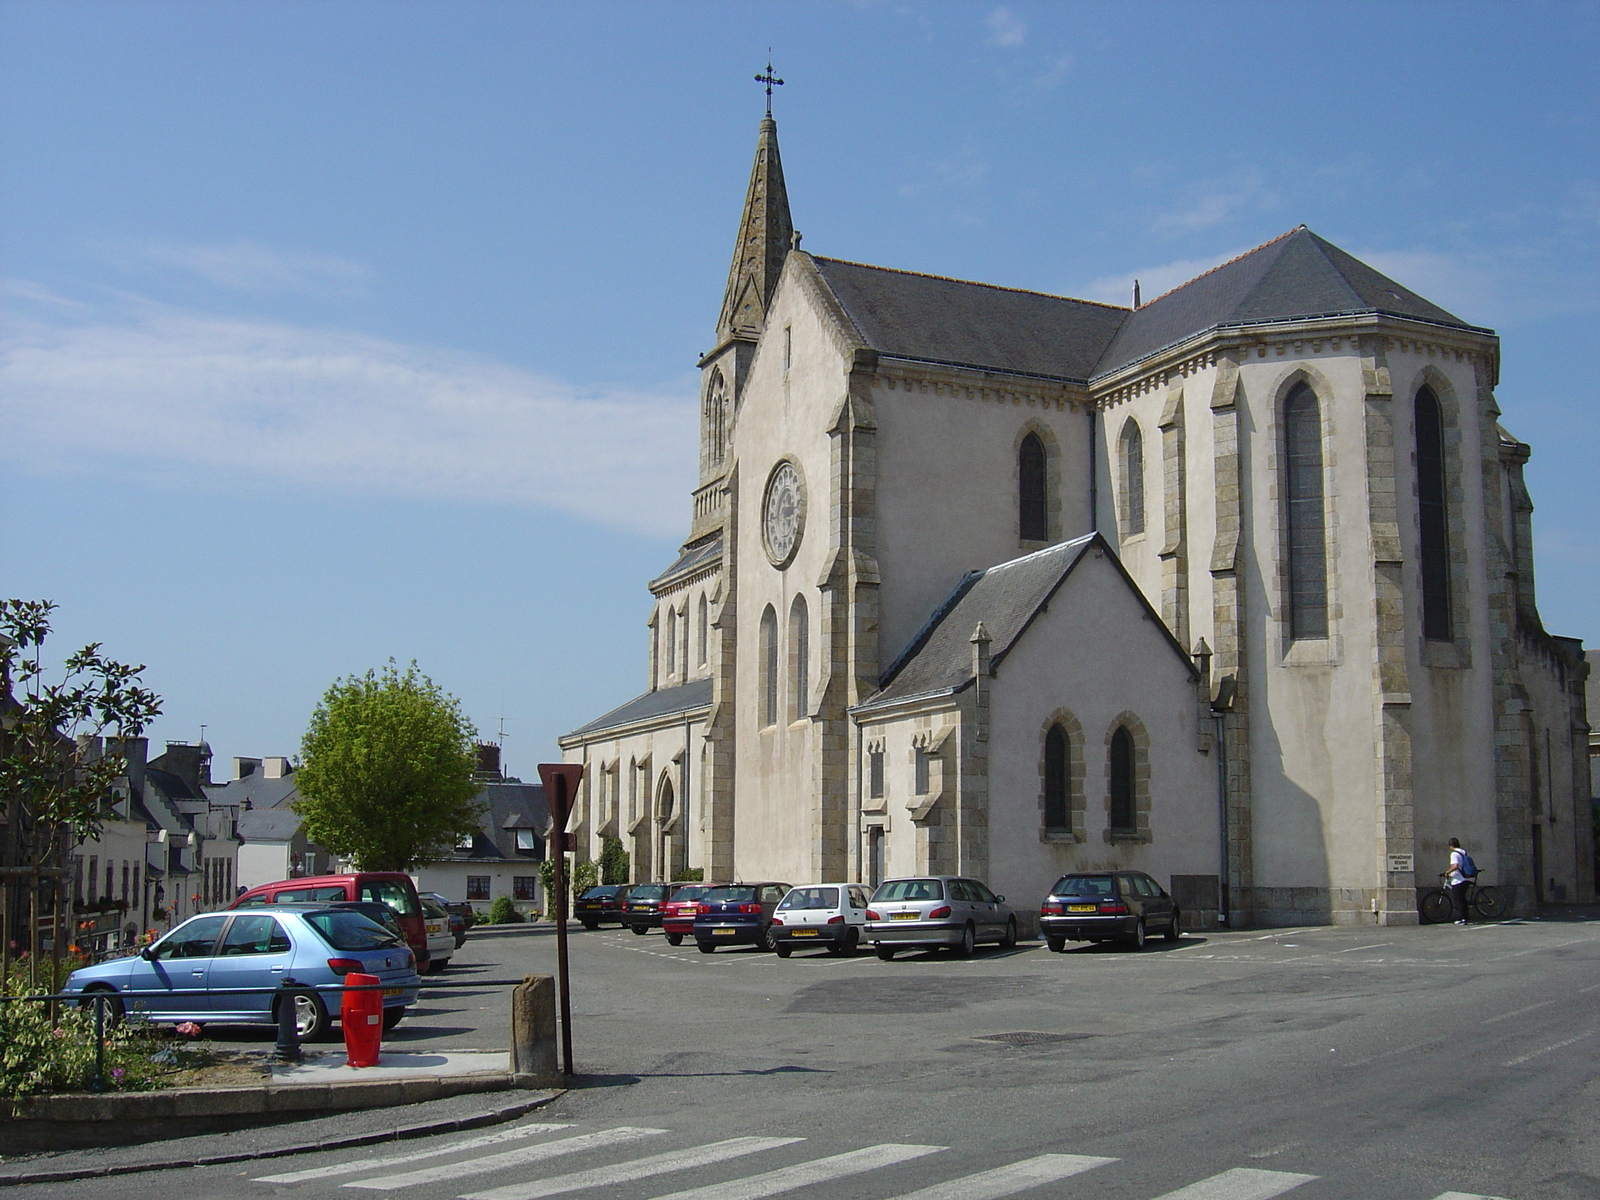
1451 281
1006 28
1054 74
1215 201
243 266
153 393
1153 280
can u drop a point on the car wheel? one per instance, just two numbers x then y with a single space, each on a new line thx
845 945
674 939
782 949
591 926
706 947
1175 927
1010 938
641 930
968 942
766 941
886 952
310 1016
393 1017
1137 940
113 1006
1056 944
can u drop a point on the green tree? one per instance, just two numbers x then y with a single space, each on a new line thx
386 777
613 861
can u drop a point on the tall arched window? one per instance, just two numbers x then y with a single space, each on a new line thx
1057 756
716 419
705 628
672 641
1131 462
1432 525
683 627
1123 818
799 658
1033 518
769 667
1305 540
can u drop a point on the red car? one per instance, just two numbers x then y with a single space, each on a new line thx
678 913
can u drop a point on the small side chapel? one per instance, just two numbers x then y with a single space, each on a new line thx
1234 587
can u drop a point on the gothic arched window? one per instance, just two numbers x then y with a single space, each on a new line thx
1123 817
799 658
672 640
1033 519
1131 461
1432 525
1057 760
769 667
1305 537
716 419
705 628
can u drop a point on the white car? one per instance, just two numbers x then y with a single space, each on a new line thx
441 942
832 915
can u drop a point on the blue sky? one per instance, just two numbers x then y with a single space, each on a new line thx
335 332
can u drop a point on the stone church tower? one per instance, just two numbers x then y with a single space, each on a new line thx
1234 587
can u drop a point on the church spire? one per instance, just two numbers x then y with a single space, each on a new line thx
765 236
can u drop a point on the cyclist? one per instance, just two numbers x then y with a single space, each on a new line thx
1458 880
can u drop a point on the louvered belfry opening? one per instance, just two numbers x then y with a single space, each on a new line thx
1033 519
1305 541
1432 518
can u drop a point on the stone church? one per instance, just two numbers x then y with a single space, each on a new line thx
1234 586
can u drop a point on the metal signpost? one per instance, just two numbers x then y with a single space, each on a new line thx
560 787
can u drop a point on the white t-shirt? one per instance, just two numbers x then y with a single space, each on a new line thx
1457 857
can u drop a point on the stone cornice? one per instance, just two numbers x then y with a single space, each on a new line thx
664 721
970 383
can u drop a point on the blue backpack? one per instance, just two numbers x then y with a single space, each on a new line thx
1469 869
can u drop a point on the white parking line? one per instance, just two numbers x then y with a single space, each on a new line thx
1374 946
1465 1196
395 1160
1005 1181
510 1158
1241 1183
639 1168
787 1179
1517 1012
1517 1062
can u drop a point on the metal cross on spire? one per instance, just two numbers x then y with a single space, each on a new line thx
769 79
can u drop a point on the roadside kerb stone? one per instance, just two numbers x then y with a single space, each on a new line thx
509 1111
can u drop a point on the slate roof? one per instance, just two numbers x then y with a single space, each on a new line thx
662 702
691 559
268 825
1005 598
928 318
260 791
507 807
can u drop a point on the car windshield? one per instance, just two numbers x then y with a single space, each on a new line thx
1085 885
648 891
346 930
601 893
910 889
811 897
304 895
693 892
397 895
730 895
433 909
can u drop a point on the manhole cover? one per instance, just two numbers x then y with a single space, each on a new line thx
1026 1037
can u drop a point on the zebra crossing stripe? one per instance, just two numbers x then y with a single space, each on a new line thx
1005 1181
509 1158
1241 1183
639 1168
821 1170
394 1160
1465 1196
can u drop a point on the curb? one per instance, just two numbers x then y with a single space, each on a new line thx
508 1112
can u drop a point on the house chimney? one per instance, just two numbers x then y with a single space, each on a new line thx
1136 293
275 768
135 753
244 767
488 760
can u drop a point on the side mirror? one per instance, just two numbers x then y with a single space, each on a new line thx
1000 899
147 953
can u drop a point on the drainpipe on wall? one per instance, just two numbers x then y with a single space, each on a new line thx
1094 483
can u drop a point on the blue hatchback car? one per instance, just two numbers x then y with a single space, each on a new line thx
739 913
214 953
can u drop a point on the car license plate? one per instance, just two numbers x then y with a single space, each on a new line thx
391 991
641 908
724 932
435 928
911 916
1082 908
802 933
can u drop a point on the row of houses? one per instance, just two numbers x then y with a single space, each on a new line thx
175 842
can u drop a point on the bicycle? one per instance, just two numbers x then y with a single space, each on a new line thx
1437 907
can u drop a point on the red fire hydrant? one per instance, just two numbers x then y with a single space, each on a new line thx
361 1014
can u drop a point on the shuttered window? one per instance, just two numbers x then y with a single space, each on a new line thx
1032 519
1305 532
1432 524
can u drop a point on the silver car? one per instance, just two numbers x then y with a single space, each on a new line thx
937 911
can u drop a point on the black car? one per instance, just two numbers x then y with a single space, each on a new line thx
642 910
1107 906
601 903
738 914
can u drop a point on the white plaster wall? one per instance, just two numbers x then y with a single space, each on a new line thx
1095 654
263 862
947 494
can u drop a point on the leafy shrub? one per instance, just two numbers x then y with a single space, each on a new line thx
503 912
584 876
613 861
690 875
39 1055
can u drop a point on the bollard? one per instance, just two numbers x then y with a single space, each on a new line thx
361 1016
533 1033
288 1048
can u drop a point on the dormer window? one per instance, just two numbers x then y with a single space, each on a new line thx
525 840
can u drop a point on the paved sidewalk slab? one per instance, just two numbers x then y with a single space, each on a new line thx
334 1068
